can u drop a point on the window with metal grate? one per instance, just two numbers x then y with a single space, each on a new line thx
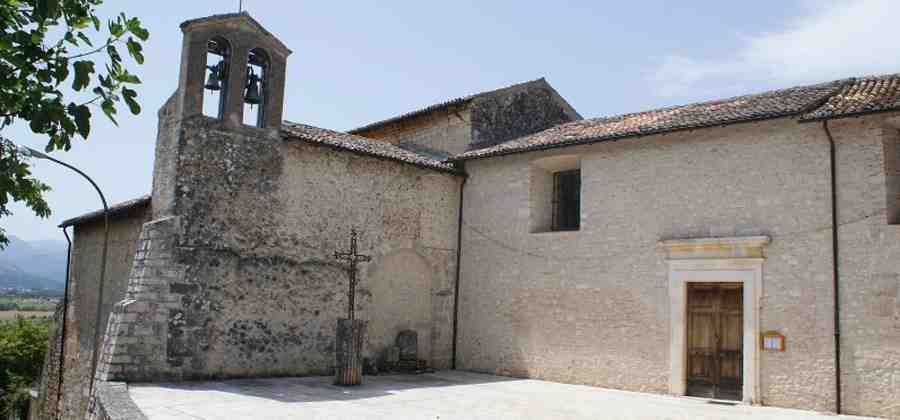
566 200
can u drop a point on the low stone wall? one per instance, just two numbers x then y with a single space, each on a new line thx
114 403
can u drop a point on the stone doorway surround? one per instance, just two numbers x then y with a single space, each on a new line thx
714 260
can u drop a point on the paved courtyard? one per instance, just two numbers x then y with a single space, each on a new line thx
448 395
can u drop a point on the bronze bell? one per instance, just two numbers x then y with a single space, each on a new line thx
252 95
213 82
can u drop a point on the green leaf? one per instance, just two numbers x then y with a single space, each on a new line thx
129 96
62 70
38 123
81 22
83 71
109 108
134 26
115 28
135 49
96 21
124 76
52 8
113 53
47 9
82 115
84 38
70 38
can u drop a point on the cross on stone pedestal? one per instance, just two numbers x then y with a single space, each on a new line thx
350 332
353 258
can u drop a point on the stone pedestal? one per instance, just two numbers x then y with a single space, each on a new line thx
348 351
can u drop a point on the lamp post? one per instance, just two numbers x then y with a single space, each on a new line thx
29 152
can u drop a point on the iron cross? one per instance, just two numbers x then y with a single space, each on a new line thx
353 258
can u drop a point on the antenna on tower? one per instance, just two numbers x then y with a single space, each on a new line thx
240 6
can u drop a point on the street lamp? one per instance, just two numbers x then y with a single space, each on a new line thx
29 152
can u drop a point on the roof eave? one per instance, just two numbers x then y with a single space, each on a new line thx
448 169
410 115
592 140
113 211
849 115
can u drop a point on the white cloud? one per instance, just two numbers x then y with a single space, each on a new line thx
836 39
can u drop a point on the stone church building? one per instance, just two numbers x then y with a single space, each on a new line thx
745 248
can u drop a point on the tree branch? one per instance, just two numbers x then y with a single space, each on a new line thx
109 42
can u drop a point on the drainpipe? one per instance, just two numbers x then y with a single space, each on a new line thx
459 223
62 344
836 268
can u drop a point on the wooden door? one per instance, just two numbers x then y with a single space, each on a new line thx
715 340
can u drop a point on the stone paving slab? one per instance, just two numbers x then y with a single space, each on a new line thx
447 395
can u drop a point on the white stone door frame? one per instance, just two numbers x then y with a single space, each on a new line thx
714 260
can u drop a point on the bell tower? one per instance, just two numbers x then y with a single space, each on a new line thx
233 70
230 85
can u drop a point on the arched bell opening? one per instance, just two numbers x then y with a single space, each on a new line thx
256 88
215 88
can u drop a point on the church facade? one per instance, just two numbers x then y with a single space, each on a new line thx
744 249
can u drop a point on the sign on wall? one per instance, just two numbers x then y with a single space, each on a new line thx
772 341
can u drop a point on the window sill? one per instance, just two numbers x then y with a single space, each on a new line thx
555 232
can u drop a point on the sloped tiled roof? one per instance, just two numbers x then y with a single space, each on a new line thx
773 104
438 106
859 96
115 210
361 145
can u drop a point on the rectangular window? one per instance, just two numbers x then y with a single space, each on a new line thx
566 200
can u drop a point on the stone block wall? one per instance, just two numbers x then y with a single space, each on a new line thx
114 403
869 267
482 120
591 306
145 327
891 152
516 112
446 131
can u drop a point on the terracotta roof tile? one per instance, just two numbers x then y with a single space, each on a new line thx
773 104
860 96
361 145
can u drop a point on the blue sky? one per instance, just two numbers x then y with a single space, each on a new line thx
361 61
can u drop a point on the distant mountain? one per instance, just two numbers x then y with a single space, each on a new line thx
33 265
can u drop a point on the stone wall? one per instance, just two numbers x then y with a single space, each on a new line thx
145 332
592 306
869 268
242 281
482 120
517 112
447 131
114 403
83 288
892 174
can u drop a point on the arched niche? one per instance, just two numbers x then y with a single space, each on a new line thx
215 87
400 284
256 87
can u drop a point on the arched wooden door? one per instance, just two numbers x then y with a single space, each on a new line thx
715 340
